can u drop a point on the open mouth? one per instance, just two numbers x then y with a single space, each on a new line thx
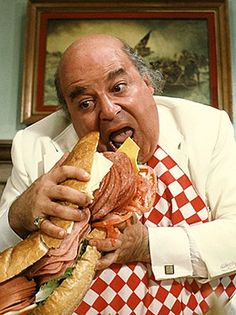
118 137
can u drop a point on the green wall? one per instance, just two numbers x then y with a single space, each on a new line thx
12 25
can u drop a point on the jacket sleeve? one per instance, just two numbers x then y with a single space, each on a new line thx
216 239
16 184
205 250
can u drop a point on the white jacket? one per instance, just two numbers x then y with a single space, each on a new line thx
199 138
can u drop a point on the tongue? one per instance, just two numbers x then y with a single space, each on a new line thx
121 135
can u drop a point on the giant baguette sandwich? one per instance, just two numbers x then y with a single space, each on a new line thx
117 189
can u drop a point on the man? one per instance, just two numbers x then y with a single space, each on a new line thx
103 87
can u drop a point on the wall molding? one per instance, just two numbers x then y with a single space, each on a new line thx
5 151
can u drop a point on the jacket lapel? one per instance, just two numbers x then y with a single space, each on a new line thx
172 141
64 142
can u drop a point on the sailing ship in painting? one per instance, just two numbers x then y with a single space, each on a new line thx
183 71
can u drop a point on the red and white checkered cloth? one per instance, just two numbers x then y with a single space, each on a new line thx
132 289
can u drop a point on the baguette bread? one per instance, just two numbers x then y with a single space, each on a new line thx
81 156
65 299
15 260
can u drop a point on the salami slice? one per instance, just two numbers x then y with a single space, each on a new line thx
117 188
108 197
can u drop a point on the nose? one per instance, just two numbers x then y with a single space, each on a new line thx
108 109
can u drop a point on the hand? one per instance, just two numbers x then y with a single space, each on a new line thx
43 199
132 245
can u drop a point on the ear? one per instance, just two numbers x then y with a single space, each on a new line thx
148 82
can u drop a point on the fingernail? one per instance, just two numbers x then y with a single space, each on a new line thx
86 175
62 234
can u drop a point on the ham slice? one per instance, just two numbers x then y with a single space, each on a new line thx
16 293
58 260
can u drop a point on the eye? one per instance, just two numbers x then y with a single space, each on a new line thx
120 87
87 104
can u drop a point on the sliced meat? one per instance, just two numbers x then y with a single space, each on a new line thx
16 293
109 198
53 263
48 276
127 175
18 306
67 242
117 188
146 190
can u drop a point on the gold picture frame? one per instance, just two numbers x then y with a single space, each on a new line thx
51 23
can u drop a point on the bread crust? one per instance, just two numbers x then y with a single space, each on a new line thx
24 254
65 298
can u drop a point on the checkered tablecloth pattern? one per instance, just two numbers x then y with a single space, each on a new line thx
131 288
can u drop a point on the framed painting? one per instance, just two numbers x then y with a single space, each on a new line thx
188 41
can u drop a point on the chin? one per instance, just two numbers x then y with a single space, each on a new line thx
145 155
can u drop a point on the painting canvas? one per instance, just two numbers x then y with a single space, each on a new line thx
186 41
179 48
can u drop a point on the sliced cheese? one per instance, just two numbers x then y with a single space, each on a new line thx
131 149
101 165
100 168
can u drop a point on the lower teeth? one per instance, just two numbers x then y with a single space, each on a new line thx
116 144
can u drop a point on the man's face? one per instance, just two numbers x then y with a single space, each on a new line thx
105 92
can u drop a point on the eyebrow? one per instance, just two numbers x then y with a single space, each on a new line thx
113 74
78 90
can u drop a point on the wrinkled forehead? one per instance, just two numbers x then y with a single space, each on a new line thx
87 58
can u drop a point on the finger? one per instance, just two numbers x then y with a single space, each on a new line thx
65 212
60 174
66 193
52 230
106 261
107 245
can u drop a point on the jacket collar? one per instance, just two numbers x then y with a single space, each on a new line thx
66 139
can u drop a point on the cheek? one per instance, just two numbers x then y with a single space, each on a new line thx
83 123
148 121
146 110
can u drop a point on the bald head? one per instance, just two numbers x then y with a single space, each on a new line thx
90 46
94 41
92 51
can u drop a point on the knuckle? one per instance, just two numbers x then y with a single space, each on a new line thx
64 170
42 181
61 190
57 208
